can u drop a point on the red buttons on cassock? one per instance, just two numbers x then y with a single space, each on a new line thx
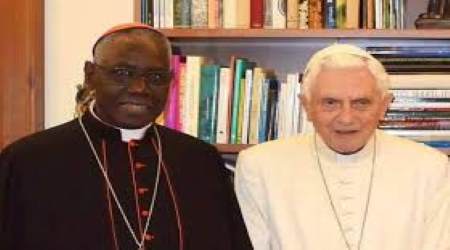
144 213
139 165
148 236
142 190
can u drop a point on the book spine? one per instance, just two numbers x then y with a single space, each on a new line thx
209 88
378 14
192 94
303 15
282 119
412 116
292 19
168 14
315 14
182 13
230 14
240 119
144 8
386 14
243 14
278 14
341 10
370 14
420 134
268 20
247 105
262 133
420 93
330 14
156 13
272 109
352 14
392 14
199 13
213 14
239 74
256 14
223 118
255 110
421 109
162 14
420 125
418 104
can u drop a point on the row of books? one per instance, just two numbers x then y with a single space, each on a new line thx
235 104
278 14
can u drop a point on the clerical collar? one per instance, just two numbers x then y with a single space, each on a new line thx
126 134
330 155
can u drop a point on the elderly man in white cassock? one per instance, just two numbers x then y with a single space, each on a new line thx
346 186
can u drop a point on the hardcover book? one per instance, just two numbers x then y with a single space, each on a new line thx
209 89
257 14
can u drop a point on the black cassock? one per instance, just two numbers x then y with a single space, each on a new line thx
53 195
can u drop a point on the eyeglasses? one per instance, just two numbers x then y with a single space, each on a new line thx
125 75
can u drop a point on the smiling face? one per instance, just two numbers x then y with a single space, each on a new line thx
123 99
345 106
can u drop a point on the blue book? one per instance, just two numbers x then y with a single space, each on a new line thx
262 133
268 114
415 51
329 14
239 73
207 110
437 144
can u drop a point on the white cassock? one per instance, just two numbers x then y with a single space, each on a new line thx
286 206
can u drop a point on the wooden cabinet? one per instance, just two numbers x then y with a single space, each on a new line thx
21 69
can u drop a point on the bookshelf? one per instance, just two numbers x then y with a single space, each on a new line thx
288 50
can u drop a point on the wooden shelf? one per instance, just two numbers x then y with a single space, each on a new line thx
318 33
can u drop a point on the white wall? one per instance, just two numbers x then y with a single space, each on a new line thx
71 28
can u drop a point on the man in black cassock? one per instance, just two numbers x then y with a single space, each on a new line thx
112 179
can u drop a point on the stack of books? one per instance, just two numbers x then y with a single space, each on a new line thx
420 84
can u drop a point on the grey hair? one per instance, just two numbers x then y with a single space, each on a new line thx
83 98
343 56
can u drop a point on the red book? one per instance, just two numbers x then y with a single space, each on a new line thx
256 14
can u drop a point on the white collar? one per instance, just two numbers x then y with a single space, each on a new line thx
330 155
126 134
